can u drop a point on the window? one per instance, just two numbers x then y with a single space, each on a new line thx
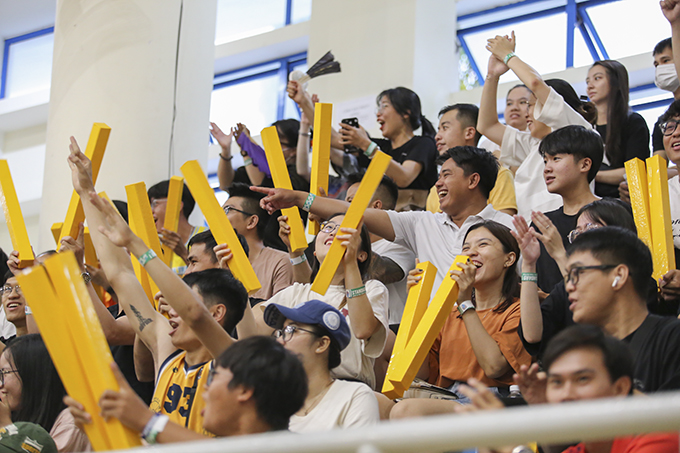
255 96
237 19
27 63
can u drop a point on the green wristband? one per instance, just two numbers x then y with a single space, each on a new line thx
508 57
308 202
146 257
530 277
356 292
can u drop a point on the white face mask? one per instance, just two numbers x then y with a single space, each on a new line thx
666 78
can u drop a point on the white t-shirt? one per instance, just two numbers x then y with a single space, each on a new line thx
674 196
406 260
521 149
7 329
435 238
359 355
345 405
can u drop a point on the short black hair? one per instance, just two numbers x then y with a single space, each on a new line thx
160 190
610 212
251 204
205 237
219 286
662 45
616 245
42 391
474 160
578 141
672 111
467 115
275 375
289 128
387 191
616 354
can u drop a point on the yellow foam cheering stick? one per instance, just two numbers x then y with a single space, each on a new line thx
14 217
321 155
172 210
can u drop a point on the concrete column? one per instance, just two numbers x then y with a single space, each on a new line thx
145 68
386 43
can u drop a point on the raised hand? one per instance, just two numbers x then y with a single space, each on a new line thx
356 136
481 398
113 226
532 383
284 230
77 246
526 238
549 235
669 284
350 238
223 139
81 169
671 10
13 262
77 410
173 241
500 46
413 276
496 67
223 254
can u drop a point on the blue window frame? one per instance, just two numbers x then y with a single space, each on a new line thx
11 59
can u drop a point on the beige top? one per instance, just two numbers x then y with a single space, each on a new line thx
274 271
67 436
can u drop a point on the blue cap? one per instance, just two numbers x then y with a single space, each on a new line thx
312 312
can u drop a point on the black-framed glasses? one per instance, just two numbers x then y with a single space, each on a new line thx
288 332
575 272
231 208
3 373
668 127
573 234
7 290
328 227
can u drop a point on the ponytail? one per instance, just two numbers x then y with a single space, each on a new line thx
428 128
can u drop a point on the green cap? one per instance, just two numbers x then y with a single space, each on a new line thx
25 437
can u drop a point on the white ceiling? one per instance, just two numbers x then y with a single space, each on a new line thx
18 17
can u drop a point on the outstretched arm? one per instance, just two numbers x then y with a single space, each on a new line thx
225 172
377 220
487 122
148 324
500 47
530 308
671 10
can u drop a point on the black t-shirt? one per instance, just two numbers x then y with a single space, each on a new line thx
419 149
657 138
124 358
656 354
548 271
557 316
634 143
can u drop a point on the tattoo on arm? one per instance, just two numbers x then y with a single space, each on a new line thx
143 322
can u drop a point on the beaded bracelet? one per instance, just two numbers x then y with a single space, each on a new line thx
308 202
226 158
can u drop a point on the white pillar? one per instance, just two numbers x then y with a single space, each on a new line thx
386 43
145 68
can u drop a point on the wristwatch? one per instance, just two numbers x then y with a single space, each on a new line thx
465 306
86 277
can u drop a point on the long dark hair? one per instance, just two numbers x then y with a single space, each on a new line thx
407 102
617 109
42 392
585 108
510 290
365 265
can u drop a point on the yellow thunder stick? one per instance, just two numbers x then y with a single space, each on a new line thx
96 145
353 216
14 217
414 309
172 210
636 173
219 224
407 363
321 155
68 322
277 166
663 253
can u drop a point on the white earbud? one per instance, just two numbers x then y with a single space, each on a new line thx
616 281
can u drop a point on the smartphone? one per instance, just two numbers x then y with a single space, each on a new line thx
354 122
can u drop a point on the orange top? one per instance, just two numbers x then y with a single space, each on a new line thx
452 358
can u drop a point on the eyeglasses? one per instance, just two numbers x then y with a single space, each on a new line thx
231 208
575 272
328 227
573 234
7 290
158 201
288 332
668 127
381 108
3 373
